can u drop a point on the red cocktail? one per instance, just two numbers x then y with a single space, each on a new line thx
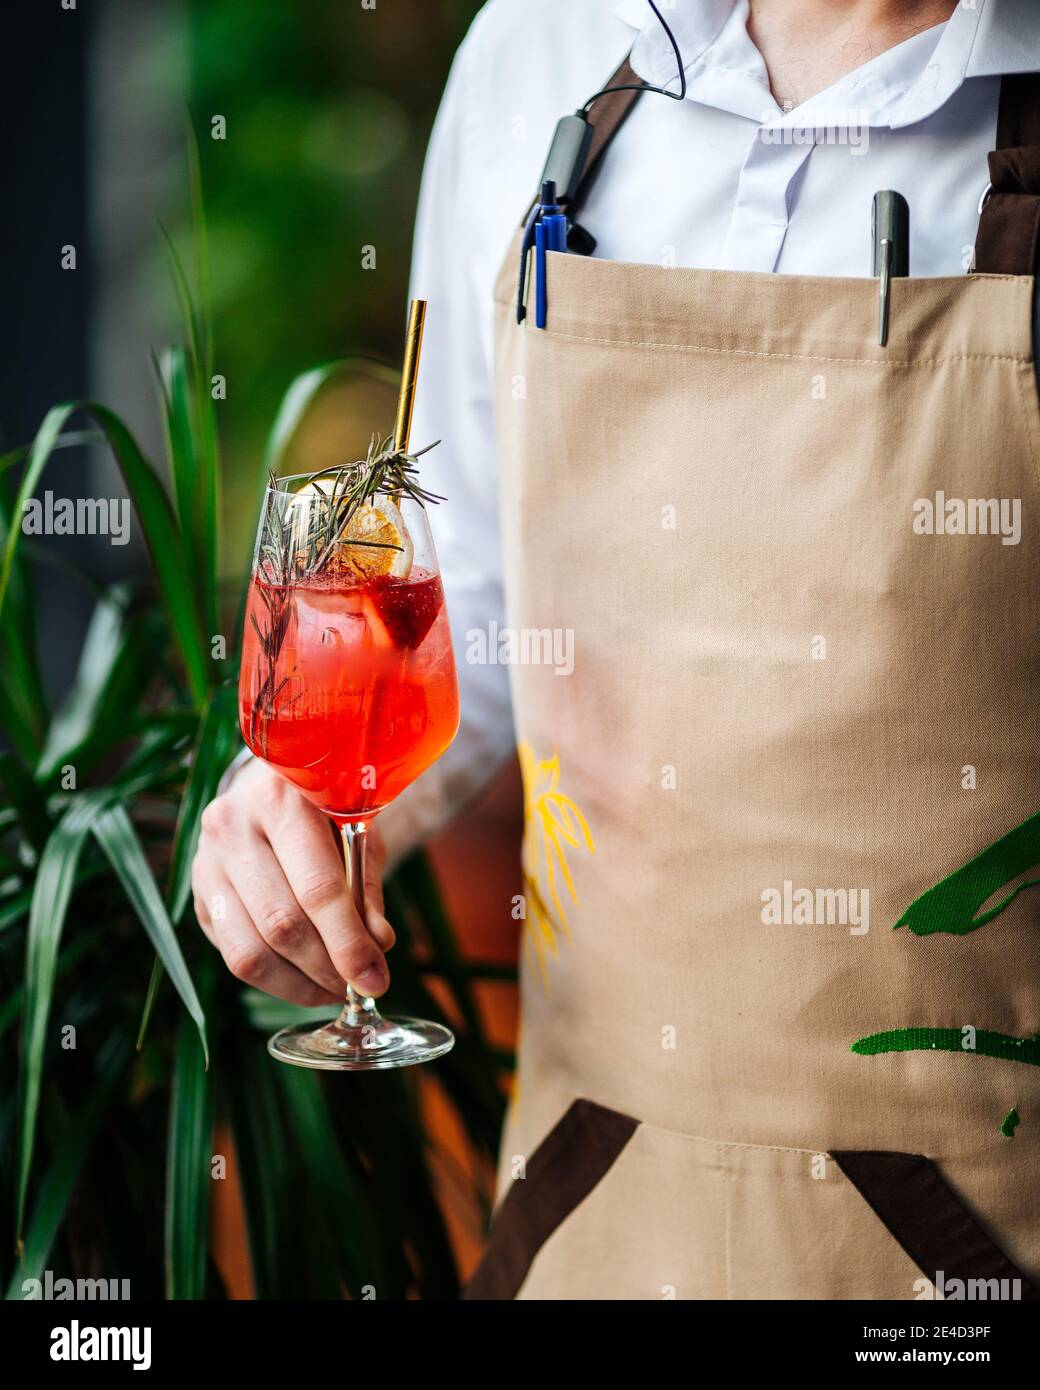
361 696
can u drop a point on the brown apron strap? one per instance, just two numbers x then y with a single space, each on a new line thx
607 117
924 1214
1008 240
562 1171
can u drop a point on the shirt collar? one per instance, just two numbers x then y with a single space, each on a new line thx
984 39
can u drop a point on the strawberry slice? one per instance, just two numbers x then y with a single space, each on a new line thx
407 609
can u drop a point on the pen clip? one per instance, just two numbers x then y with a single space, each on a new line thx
885 291
525 252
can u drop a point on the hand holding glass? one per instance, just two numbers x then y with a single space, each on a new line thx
348 689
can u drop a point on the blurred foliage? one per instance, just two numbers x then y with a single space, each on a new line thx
328 108
106 1144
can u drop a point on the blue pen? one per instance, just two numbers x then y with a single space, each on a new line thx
540 302
550 234
547 208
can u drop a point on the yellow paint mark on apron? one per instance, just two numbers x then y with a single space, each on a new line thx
553 824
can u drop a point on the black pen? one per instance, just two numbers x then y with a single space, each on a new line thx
890 232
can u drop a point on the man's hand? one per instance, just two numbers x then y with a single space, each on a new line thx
269 893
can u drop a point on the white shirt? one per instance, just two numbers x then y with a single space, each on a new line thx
724 179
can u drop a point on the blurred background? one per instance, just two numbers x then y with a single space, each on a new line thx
324 108
321 111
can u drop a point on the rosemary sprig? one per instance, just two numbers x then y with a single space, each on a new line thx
385 471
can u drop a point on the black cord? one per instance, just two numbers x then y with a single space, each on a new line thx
575 153
645 86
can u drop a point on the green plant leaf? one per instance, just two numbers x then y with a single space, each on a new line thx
117 837
59 1182
24 732
185 301
15 908
190 403
157 523
27 799
151 995
75 439
344 1216
217 735
388 1134
84 941
200 237
188 1176
171 369
269 1175
23 704
55 877
42 447
158 756
214 747
107 651
267 1014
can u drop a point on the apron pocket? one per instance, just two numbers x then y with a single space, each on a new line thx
612 1209
576 1153
922 1212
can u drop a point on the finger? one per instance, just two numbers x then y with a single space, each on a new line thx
247 955
202 899
313 868
201 911
262 888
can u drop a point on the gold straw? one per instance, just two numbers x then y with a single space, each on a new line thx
409 373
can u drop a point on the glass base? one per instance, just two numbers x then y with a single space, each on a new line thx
373 1045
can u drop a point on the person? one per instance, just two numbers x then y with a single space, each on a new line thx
797 706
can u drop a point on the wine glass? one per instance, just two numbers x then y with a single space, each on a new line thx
348 689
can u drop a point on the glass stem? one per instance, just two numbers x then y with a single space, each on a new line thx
359 1011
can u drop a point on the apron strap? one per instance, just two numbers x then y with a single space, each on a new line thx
1008 241
608 116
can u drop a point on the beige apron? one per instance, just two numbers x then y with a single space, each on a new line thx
792 711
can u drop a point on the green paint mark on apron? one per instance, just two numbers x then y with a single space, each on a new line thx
1010 1123
952 905
986 1044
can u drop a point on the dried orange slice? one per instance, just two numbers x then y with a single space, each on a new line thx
386 547
374 542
